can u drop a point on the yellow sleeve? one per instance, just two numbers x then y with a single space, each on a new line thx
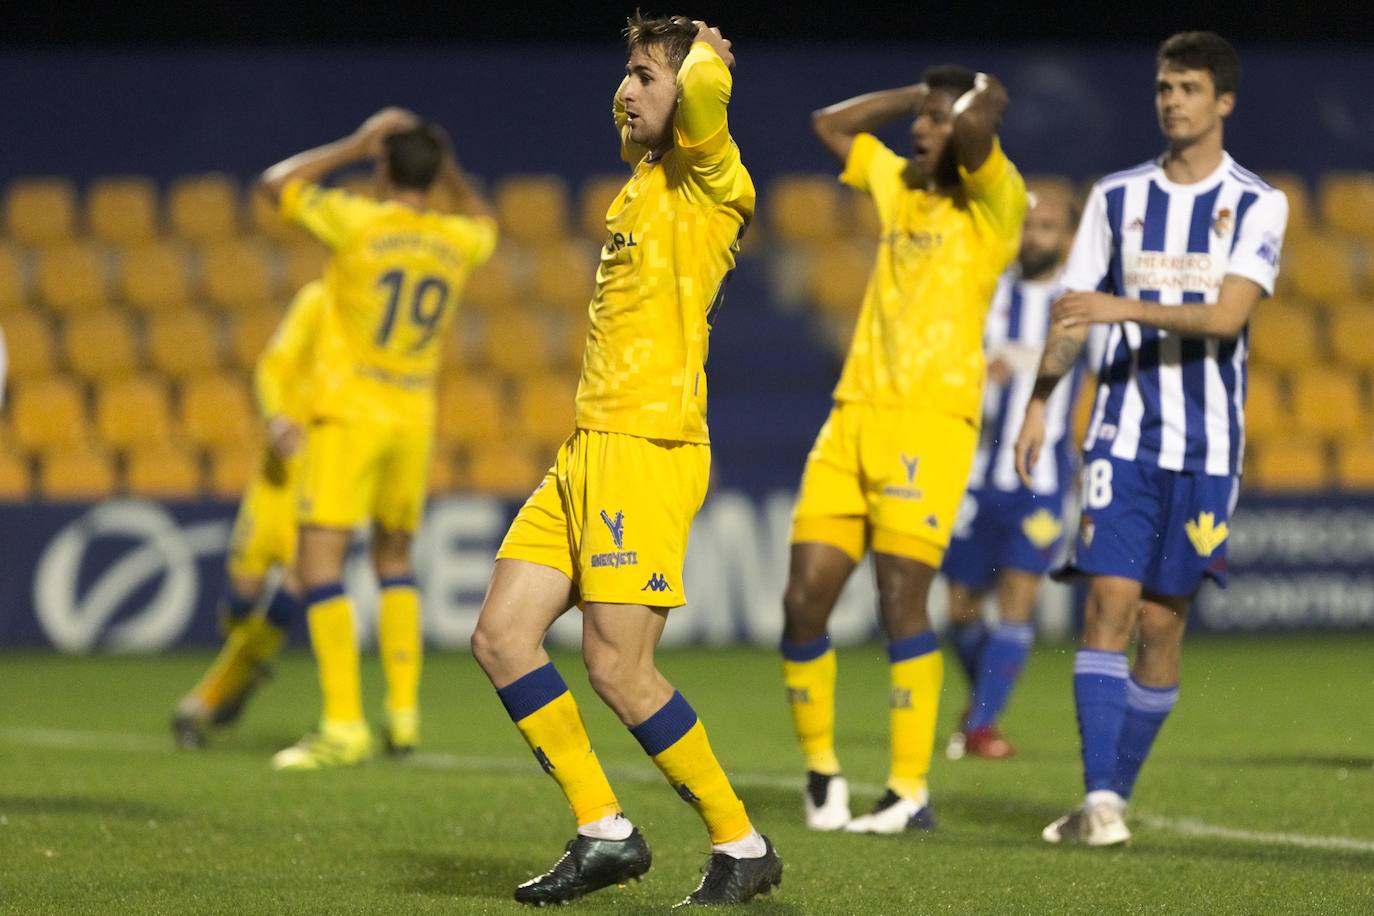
630 151
997 194
288 352
475 236
329 214
874 169
700 126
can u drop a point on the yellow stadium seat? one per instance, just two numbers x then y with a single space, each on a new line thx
805 208
444 476
155 277
76 474
571 341
249 333
504 469
122 211
15 478
597 195
864 214
183 343
162 472
1352 336
101 344
497 285
1290 466
29 343
546 410
533 208
1327 401
303 262
238 274
264 220
565 275
1284 336
133 412
839 275
13 285
40 211
204 208
471 408
515 343
232 468
1300 215
217 411
1319 268
1355 464
1266 410
1347 201
72 277
48 413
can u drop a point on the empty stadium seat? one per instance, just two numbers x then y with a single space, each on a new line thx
533 208
101 344
155 276
29 343
1352 337
15 479
48 413
546 409
123 210
1319 268
40 211
504 469
805 208
76 474
265 220
217 411
1290 466
839 275
1266 409
237 274
72 277
1327 400
183 343
1355 464
471 408
570 341
204 208
1284 336
1347 202
232 468
13 285
303 262
497 285
1300 215
249 333
564 275
162 472
133 412
515 342
864 214
595 198
444 475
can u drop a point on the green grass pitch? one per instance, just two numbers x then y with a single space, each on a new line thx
1260 797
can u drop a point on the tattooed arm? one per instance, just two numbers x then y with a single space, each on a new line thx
1061 352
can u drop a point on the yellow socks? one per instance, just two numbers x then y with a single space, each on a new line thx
808 670
917 672
400 643
676 741
546 714
336 653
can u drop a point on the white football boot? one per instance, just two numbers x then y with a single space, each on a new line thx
1098 822
895 814
827 801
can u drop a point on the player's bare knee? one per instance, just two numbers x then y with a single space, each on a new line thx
806 611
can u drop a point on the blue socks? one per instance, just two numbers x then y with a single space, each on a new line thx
1099 692
969 639
1146 710
1002 658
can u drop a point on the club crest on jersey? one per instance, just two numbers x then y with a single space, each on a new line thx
1086 530
1205 534
1042 528
1221 223
620 556
909 467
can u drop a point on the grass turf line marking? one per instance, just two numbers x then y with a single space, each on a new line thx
72 739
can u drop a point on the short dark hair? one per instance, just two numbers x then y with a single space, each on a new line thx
672 34
1202 51
413 156
949 77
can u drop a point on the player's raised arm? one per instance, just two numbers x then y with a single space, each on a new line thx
838 124
703 94
977 118
314 164
456 189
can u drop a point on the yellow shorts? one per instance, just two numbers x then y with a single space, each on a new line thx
264 532
613 514
356 472
886 478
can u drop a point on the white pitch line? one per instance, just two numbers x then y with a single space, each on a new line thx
71 739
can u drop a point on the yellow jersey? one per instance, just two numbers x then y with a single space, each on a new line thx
918 341
671 237
394 282
284 371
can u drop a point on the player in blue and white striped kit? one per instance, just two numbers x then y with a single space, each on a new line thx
1007 534
1172 256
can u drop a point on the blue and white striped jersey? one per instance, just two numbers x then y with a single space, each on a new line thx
1175 402
1017 325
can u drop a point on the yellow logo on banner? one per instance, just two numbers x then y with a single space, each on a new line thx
1206 534
1043 528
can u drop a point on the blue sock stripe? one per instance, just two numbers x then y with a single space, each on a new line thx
322 593
398 582
1157 700
904 650
1023 634
968 634
237 606
1107 664
666 727
532 692
283 609
805 651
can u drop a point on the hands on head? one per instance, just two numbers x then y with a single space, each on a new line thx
712 37
372 133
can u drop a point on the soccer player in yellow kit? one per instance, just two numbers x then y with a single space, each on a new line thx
890 466
607 528
264 535
394 279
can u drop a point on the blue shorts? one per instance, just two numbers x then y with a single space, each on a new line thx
997 530
1164 529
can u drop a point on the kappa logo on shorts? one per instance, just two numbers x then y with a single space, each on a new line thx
1205 534
656 583
910 491
618 557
